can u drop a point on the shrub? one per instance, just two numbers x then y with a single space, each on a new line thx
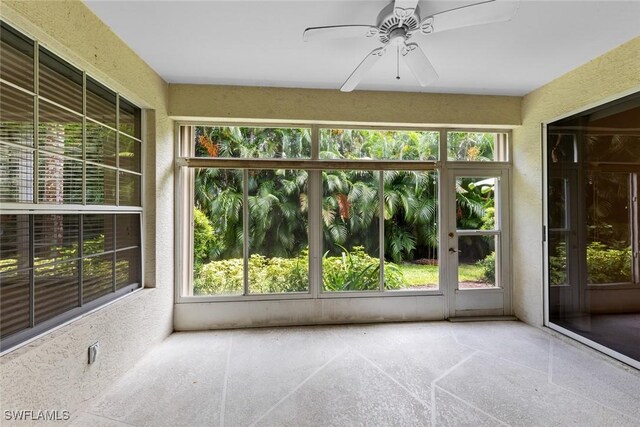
608 265
205 243
488 265
350 271
266 275
358 271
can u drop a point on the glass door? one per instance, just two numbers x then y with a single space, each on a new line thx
477 243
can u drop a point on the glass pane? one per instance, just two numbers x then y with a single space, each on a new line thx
97 234
15 304
594 250
252 142
609 216
55 238
278 224
59 180
351 234
60 131
130 189
14 242
16 175
558 203
477 146
127 230
477 262
361 144
130 157
60 82
475 203
101 144
558 266
128 268
16 52
100 185
56 289
101 103
618 148
411 230
97 277
16 116
130 119
217 232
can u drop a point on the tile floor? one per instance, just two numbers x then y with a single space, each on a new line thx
433 373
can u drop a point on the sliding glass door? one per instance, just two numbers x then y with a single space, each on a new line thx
593 233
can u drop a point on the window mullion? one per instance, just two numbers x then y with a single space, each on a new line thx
117 149
315 218
315 232
381 226
245 230
36 120
32 275
80 258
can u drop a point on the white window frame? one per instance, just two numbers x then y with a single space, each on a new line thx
184 201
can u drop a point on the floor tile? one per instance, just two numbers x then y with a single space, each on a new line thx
86 419
266 364
521 396
513 341
452 412
590 375
412 355
178 383
349 392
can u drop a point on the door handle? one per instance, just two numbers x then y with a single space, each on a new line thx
453 251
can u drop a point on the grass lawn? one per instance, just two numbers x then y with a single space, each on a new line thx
420 275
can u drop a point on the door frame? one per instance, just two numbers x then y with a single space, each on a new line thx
477 302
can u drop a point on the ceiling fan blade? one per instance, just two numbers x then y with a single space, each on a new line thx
362 69
404 9
419 65
339 32
474 14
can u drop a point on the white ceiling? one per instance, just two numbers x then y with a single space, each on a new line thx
259 43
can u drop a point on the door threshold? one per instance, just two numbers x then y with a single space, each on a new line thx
482 318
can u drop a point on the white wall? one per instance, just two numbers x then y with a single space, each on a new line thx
52 372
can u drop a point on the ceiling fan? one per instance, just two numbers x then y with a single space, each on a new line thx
399 21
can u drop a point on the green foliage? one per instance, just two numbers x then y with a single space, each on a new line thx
206 246
353 270
470 146
488 265
608 265
357 271
266 275
558 266
378 144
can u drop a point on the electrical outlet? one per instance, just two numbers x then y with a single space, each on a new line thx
93 352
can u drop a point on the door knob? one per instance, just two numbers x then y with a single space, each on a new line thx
453 251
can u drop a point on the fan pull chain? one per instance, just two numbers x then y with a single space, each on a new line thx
398 63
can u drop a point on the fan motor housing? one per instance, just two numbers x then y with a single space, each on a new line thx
388 22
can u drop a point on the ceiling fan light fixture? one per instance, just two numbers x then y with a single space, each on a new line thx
400 20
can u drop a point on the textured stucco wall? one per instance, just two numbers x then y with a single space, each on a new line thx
614 73
318 105
52 372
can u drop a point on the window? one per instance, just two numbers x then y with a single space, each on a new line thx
70 191
299 212
477 146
